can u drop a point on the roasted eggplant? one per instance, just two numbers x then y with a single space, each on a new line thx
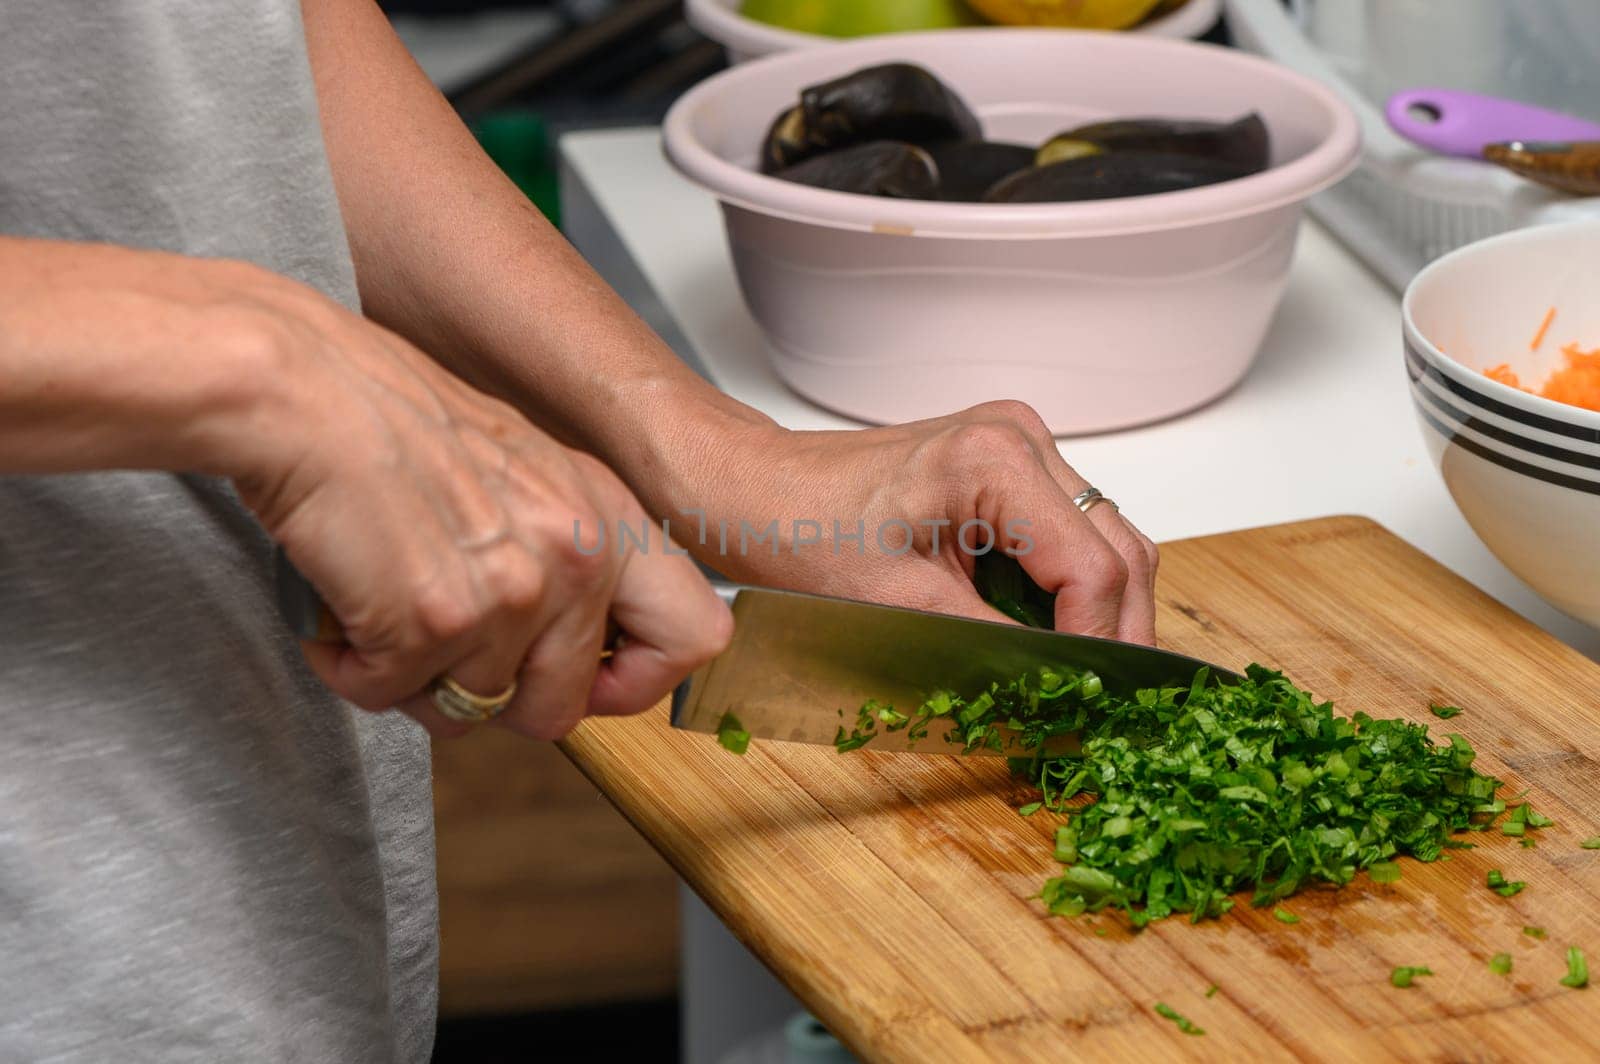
896 101
1243 143
968 168
1111 176
877 168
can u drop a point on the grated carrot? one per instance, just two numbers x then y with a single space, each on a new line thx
1544 327
1504 374
1577 383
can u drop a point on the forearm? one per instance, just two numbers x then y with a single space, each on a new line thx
109 358
451 255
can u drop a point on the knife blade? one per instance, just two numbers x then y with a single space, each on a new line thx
797 660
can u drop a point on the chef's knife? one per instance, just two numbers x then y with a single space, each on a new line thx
796 660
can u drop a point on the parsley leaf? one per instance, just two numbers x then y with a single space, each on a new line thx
1402 976
732 735
1030 809
1534 932
1184 1024
1501 886
1284 916
1384 872
1500 964
1445 712
1591 844
1577 975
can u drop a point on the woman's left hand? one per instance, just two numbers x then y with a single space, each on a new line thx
899 514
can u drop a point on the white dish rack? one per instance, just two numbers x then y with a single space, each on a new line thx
1404 207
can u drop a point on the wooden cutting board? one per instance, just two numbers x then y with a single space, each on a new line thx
894 893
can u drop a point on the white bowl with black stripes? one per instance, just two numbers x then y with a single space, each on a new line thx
1524 471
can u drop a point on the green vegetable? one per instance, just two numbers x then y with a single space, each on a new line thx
1030 809
1499 884
1522 818
1384 872
1201 790
1577 975
731 734
853 741
1591 844
866 727
1211 991
1500 964
1529 842
1204 790
1402 976
1534 932
1285 916
1445 712
1183 1023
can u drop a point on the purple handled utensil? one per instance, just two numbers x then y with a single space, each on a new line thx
1464 123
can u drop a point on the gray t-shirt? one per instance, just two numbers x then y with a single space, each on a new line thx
204 856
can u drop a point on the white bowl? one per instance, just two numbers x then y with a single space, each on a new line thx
746 39
1101 314
1524 471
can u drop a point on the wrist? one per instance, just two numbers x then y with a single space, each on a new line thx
700 457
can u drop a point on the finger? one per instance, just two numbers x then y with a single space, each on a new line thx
1090 574
554 684
1146 559
1064 552
375 682
1136 622
428 617
671 622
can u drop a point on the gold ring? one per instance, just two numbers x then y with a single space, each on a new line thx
458 703
1086 499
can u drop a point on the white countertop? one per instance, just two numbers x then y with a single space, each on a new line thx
1321 425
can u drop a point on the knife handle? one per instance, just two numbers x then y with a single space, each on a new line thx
300 606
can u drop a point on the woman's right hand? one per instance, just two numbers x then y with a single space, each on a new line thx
443 530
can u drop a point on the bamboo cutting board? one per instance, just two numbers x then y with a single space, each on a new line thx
894 893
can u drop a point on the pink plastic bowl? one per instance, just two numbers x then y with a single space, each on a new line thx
1101 314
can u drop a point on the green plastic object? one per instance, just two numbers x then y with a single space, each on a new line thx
519 144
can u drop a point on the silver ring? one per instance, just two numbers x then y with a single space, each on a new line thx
1086 499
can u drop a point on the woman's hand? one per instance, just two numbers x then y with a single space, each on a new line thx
450 536
910 489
